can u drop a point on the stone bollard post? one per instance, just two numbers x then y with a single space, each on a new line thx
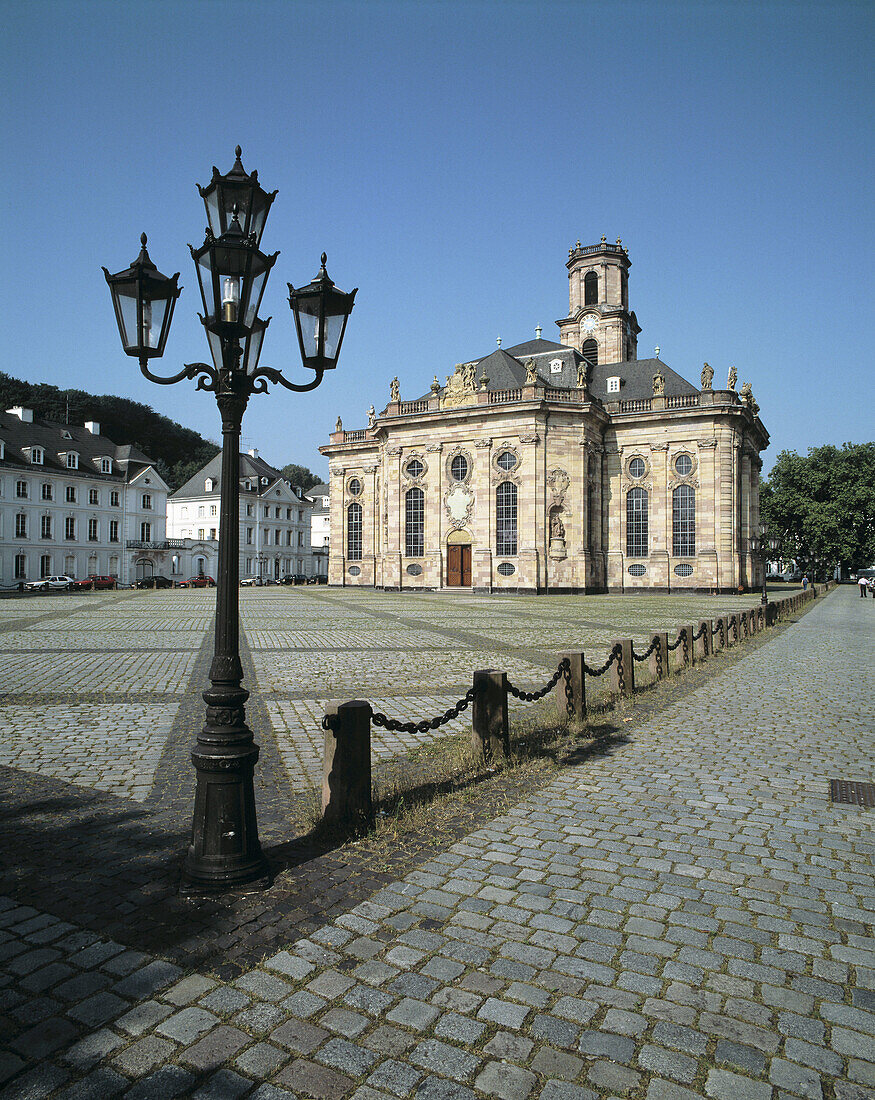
346 765
623 668
489 732
720 638
689 649
752 621
577 683
657 662
704 643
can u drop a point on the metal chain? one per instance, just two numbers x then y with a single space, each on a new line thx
647 652
614 656
700 633
680 640
533 696
330 721
569 692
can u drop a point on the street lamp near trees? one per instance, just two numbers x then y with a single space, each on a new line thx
764 546
225 852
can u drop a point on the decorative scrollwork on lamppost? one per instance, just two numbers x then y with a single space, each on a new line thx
764 546
225 852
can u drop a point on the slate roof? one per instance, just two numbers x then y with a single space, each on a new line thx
636 380
57 439
250 467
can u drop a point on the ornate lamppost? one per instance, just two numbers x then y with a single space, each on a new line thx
232 272
764 545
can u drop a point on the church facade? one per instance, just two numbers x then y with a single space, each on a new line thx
570 466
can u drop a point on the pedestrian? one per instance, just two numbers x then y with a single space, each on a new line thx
805 584
864 584
872 586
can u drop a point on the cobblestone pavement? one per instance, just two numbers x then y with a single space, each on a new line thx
685 915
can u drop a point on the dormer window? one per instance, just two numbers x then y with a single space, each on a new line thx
247 485
209 485
106 465
72 460
65 434
555 366
36 456
614 384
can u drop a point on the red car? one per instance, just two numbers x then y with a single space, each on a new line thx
198 582
94 581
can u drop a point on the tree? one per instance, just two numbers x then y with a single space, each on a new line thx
823 507
300 476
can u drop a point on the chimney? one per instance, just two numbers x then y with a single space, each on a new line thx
24 415
92 426
253 452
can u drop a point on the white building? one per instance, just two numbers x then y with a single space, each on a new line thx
320 526
72 501
274 517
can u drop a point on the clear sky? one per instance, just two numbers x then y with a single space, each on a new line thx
446 155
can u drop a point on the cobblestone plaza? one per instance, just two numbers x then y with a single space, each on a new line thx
686 915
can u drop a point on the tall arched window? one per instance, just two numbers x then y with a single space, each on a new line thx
683 521
506 519
591 288
354 532
636 523
590 516
414 523
590 352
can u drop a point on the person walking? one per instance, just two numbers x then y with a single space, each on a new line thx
864 584
872 587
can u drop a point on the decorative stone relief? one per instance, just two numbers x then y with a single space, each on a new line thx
460 388
530 438
459 501
706 444
558 480
434 448
483 444
658 447
557 534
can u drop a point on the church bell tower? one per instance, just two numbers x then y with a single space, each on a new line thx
599 323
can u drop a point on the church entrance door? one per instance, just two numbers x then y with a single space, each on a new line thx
459 566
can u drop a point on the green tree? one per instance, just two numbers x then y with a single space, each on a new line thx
823 507
300 476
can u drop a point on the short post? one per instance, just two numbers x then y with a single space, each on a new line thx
690 646
346 765
704 642
623 668
657 662
489 732
571 689
720 641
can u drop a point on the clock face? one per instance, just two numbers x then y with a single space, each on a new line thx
589 323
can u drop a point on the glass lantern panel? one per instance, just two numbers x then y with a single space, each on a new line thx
211 201
333 332
127 303
308 314
154 316
254 351
255 293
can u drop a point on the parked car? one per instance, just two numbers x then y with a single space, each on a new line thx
249 582
95 581
155 582
200 581
318 579
294 578
46 583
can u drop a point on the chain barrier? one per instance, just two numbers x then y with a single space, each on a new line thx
330 721
534 696
614 656
647 652
569 691
700 633
679 641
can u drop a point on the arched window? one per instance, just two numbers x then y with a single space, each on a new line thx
591 288
354 532
590 352
414 523
636 523
590 516
683 521
506 519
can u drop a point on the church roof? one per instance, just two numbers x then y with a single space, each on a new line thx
636 380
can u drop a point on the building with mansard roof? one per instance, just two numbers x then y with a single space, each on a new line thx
568 466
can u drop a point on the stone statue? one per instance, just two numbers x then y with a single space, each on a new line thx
338 427
707 376
658 385
435 386
746 394
395 390
581 375
732 379
468 370
557 527
372 416
531 376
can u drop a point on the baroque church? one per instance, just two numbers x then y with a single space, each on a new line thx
559 467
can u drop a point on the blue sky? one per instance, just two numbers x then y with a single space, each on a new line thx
446 155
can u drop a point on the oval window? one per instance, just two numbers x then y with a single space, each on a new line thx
683 464
637 570
415 468
355 486
459 468
414 570
637 468
683 570
507 460
506 569
354 570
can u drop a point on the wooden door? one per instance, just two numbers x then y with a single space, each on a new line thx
459 566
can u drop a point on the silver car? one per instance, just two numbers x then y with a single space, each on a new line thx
45 583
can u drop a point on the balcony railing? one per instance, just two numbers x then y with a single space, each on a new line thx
165 544
682 401
408 407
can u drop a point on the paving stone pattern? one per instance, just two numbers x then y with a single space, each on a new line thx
686 915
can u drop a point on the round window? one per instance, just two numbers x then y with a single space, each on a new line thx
355 486
354 570
507 460
414 570
506 569
683 570
415 468
637 570
637 468
683 464
459 468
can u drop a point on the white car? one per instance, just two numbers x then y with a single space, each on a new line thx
45 583
248 581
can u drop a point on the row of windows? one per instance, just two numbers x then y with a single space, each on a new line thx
459 469
277 537
683 522
37 457
46 568
71 495
70 524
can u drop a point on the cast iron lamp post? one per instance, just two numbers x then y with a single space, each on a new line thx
232 272
763 545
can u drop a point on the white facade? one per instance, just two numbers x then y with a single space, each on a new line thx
320 526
